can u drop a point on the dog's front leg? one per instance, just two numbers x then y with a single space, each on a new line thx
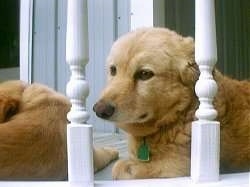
132 169
103 156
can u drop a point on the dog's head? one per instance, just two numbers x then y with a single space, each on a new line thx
150 74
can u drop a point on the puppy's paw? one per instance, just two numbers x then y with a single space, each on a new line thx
103 156
132 169
124 169
8 108
114 153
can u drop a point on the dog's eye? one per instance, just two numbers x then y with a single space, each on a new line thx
144 75
112 70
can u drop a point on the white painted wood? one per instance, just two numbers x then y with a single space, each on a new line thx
79 133
80 154
141 14
123 17
205 131
26 24
229 180
205 151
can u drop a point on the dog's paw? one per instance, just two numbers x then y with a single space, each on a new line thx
132 169
103 156
8 107
124 169
114 153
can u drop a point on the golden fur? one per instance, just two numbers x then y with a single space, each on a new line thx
160 107
33 133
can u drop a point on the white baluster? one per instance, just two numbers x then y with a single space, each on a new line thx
205 131
79 133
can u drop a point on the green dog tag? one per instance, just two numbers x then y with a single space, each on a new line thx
143 152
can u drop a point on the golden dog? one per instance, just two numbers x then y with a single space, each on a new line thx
150 94
33 134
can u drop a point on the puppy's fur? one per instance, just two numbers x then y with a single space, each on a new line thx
33 133
150 94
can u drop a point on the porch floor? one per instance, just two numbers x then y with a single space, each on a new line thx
115 140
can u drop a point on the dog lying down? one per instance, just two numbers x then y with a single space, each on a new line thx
33 134
150 94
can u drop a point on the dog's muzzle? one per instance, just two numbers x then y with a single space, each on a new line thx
104 110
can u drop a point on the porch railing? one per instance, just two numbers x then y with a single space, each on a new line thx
79 133
205 147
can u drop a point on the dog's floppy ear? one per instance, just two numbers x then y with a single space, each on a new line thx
189 73
8 108
189 70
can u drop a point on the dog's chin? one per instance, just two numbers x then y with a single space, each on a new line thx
143 118
138 119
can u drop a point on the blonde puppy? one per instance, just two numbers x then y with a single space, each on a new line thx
150 94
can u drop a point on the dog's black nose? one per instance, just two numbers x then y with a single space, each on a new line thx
104 110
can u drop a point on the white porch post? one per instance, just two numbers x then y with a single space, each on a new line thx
205 131
79 133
